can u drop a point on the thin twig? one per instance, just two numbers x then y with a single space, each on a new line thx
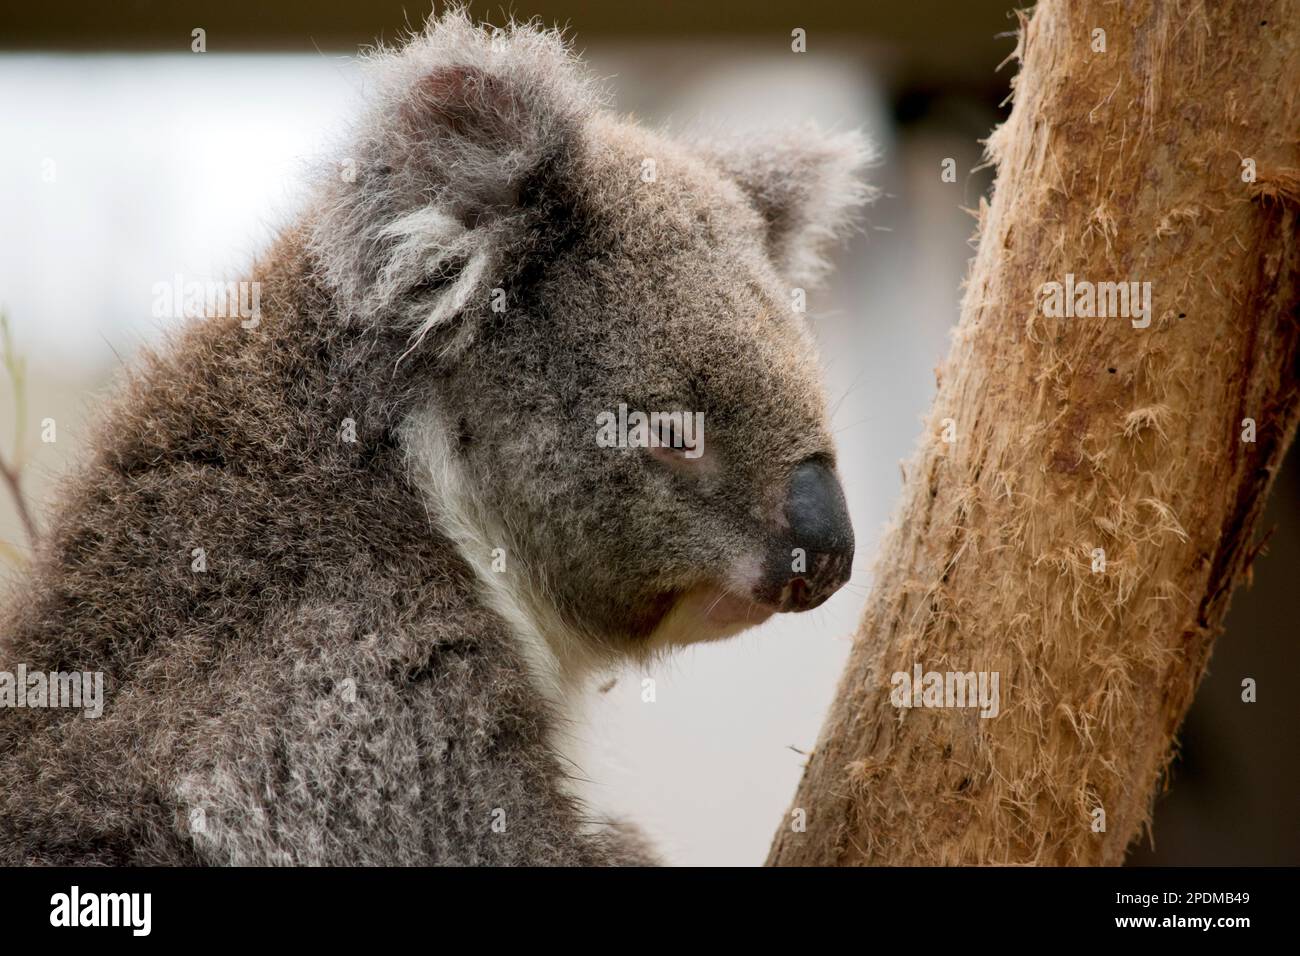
14 481
12 473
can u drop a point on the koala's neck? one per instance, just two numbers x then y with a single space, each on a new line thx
561 661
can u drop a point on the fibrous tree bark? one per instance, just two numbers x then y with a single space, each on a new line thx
1088 489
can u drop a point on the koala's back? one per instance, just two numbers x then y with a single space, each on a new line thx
319 685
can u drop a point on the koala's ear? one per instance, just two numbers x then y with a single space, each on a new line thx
434 187
808 186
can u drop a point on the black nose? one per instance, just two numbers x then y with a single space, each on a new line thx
814 557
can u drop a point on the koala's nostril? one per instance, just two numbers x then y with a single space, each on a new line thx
815 555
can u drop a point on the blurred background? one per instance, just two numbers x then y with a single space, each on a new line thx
129 158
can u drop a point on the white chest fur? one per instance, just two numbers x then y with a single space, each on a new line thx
562 665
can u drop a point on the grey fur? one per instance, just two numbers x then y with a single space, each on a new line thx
341 685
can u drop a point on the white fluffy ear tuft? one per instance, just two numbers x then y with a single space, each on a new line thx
433 186
808 185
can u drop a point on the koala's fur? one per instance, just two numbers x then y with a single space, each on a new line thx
350 681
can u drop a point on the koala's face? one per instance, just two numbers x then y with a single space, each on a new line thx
628 398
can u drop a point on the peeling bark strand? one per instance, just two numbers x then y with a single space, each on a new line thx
1074 434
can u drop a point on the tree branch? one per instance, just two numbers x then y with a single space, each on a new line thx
1089 486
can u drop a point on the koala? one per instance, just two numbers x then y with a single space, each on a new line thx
345 569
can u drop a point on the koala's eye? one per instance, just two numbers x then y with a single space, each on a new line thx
670 435
678 438
669 454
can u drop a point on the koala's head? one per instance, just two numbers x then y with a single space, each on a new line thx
588 288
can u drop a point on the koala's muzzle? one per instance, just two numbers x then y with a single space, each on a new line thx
813 557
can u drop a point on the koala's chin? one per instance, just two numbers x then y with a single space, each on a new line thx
809 556
709 612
